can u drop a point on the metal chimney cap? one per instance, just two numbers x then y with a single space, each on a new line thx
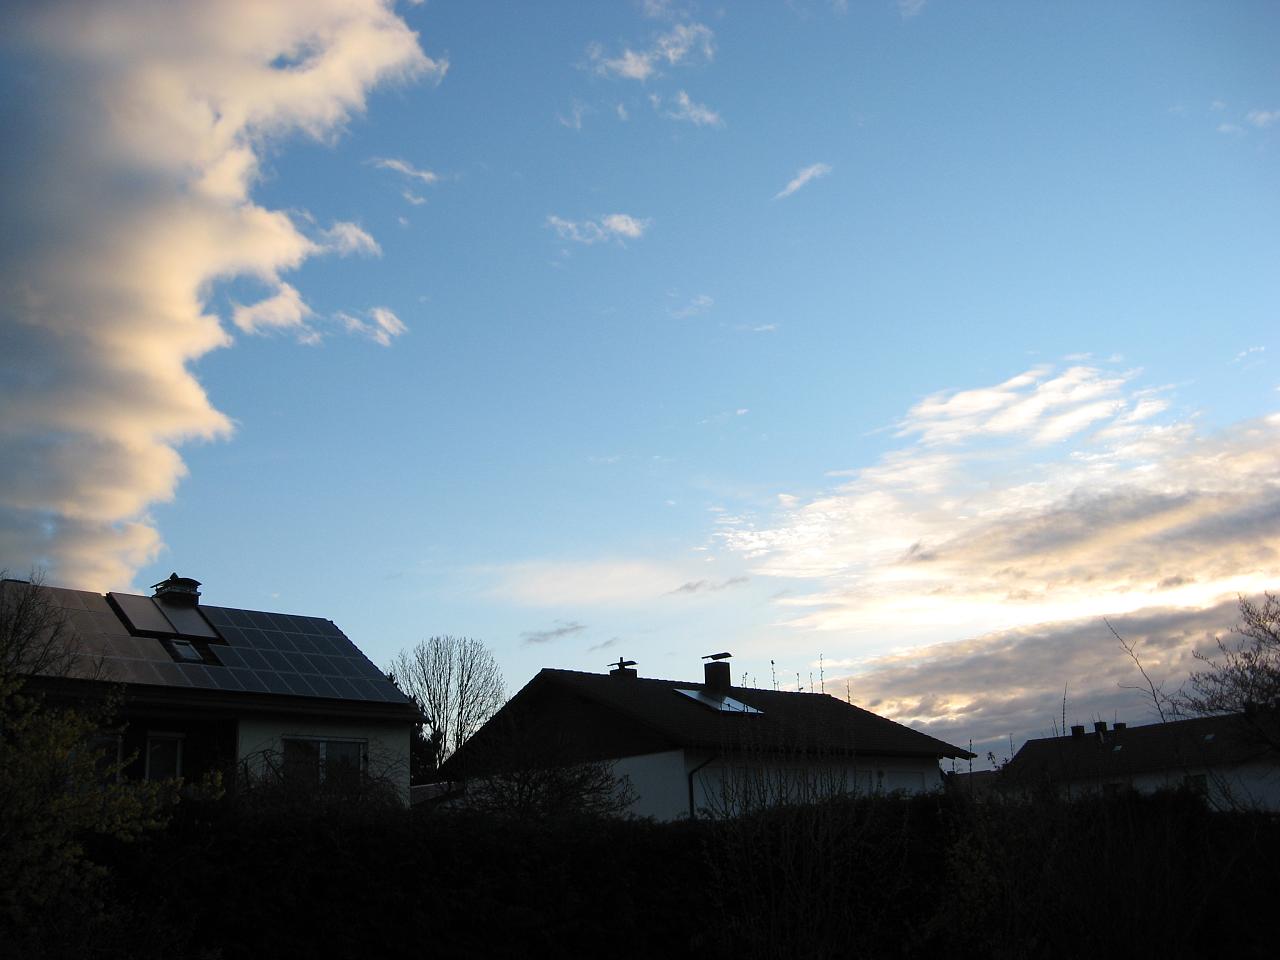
181 589
717 656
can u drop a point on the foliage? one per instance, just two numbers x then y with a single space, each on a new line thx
457 684
57 788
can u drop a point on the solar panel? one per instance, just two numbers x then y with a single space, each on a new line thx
187 621
141 614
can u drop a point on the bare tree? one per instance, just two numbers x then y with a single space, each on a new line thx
1244 677
457 684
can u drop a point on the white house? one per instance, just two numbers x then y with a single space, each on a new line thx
702 748
238 691
1221 757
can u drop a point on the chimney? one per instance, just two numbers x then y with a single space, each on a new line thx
1119 725
623 669
1077 730
1100 726
179 591
716 672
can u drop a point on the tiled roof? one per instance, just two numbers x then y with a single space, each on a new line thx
242 651
787 721
1116 754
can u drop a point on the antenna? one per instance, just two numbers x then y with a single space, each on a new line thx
717 656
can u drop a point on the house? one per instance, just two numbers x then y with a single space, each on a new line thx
207 688
688 748
1218 756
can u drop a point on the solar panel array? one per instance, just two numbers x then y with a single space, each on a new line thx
262 653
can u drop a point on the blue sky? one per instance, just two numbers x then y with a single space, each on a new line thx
915 336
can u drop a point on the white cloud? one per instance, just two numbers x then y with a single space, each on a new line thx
379 324
683 42
699 114
1048 497
405 168
699 304
621 110
345 239
1230 128
1263 118
614 226
911 8
812 172
576 112
106 296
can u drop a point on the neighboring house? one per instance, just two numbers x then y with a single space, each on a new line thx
689 748
238 691
1217 756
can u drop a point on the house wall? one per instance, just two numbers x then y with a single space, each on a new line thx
660 784
1253 786
261 737
725 787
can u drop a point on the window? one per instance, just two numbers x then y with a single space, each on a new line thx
164 756
185 651
312 762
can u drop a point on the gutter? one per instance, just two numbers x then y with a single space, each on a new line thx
692 812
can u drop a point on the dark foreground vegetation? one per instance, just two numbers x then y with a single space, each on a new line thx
1155 876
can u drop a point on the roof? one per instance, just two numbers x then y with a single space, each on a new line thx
1153 748
242 652
786 722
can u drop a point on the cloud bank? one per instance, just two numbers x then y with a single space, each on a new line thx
141 125
1021 514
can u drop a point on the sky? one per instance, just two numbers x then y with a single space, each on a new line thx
890 346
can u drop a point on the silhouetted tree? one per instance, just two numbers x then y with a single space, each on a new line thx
457 684
57 787
1244 676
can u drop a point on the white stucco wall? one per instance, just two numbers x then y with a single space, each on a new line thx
388 742
720 787
1245 787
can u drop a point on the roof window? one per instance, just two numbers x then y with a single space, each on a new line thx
184 651
718 703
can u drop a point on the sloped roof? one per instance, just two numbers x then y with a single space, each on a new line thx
1181 745
244 651
788 722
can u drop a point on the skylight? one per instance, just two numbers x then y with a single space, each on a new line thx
720 704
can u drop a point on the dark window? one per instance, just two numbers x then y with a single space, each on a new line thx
333 764
164 756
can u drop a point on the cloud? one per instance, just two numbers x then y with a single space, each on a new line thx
700 115
127 199
614 226
580 583
406 169
911 8
576 113
611 642
708 586
683 42
345 239
1011 682
1263 118
812 172
1248 353
379 324
560 631
1230 128
1048 497
699 304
